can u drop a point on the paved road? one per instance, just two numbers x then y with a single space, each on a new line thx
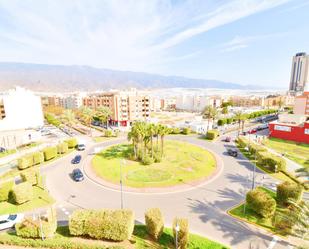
205 206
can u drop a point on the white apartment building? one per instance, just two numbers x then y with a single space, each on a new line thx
196 103
73 102
20 109
299 73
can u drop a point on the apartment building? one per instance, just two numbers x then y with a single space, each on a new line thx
73 102
52 101
299 73
246 101
196 103
301 106
126 106
278 101
2 110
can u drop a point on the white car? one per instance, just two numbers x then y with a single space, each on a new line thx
9 221
81 147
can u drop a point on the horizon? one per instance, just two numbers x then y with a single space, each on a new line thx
192 39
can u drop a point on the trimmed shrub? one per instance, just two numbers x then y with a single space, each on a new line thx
229 120
261 202
62 148
289 191
255 148
50 153
38 157
116 225
186 131
147 160
154 222
5 189
157 157
72 142
22 193
212 134
175 130
25 162
271 162
50 118
108 133
242 141
183 233
30 176
222 122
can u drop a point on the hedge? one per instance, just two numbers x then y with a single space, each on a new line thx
72 143
261 202
5 189
50 153
255 148
212 134
154 223
116 225
271 162
183 233
186 131
62 148
22 193
175 130
108 133
38 157
25 161
242 141
52 120
289 191
30 176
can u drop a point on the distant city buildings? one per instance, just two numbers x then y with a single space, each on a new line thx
196 103
299 73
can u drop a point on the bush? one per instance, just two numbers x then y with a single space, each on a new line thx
62 148
147 160
50 153
242 142
271 162
212 134
289 191
25 162
261 202
38 157
157 157
30 176
175 130
186 131
154 222
255 148
183 233
222 122
108 133
5 189
22 193
72 143
116 225
52 120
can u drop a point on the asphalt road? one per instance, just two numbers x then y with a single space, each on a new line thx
204 206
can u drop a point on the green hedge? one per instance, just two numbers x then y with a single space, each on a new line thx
25 161
186 131
154 223
5 189
212 134
289 191
116 225
183 233
50 153
261 202
72 143
271 162
108 133
62 148
22 193
51 119
175 131
30 176
38 157
242 141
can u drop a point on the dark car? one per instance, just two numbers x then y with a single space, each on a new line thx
77 175
77 159
2 149
227 139
232 152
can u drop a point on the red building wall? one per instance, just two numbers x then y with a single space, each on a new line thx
296 134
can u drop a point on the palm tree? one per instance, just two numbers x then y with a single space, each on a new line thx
225 110
151 130
163 130
209 113
239 117
68 117
104 113
86 115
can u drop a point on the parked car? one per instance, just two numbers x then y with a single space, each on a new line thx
9 221
227 139
81 147
77 159
77 175
2 149
252 131
232 152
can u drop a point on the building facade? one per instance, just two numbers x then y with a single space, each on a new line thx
299 73
301 105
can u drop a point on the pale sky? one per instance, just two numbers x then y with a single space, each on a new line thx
240 41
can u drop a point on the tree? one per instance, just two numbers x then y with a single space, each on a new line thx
209 113
238 117
103 113
225 110
163 130
86 115
68 117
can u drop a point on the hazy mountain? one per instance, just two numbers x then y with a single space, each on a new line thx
42 77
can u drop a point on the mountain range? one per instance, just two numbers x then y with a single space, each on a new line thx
42 77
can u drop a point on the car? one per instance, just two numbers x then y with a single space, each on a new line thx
9 221
76 159
232 152
81 147
252 131
2 149
227 139
77 175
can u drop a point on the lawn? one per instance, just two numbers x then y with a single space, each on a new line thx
139 240
23 147
182 163
294 151
253 217
101 139
41 199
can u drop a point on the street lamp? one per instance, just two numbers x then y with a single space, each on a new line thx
121 162
177 228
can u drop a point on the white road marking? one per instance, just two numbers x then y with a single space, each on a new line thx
273 243
63 209
66 212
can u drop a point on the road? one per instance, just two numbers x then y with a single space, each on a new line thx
204 206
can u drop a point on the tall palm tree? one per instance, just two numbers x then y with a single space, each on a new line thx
86 115
239 117
163 130
209 113
68 117
103 113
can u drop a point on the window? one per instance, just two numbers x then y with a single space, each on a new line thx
282 128
306 131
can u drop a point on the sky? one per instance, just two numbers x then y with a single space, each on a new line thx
239 41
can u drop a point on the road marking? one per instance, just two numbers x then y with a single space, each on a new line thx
273 243
66 212
63 209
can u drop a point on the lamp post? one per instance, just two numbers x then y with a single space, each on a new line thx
253 175
121 162
177 228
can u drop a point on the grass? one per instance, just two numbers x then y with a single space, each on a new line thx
15 171
13 151
296 152
101 139
182 163
41 199
139 240
7 153
250 216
